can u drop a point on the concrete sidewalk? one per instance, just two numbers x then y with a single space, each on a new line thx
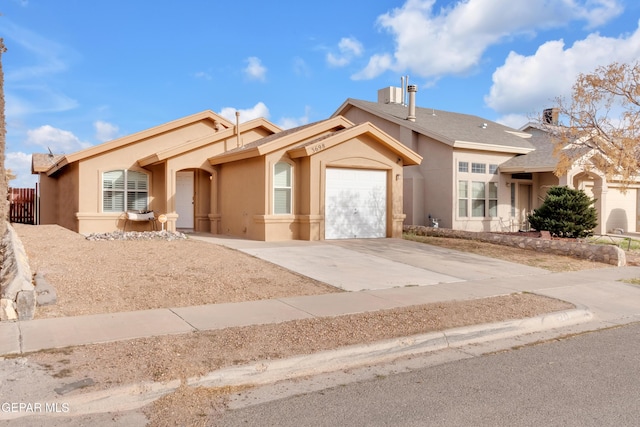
598 291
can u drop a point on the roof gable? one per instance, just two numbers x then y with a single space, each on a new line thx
207 140
454 129
294 136
115 144
327 141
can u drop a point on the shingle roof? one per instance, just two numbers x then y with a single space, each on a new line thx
448 127
271 138
542 159
42 162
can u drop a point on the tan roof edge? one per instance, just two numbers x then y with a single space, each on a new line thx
408 156
491 147
278 143
526 169
350 102
207 139
119 142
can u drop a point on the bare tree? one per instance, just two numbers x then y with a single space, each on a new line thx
603 125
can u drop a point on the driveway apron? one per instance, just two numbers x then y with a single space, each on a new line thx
369 264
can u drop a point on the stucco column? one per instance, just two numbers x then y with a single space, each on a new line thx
600 190
170 185
214 213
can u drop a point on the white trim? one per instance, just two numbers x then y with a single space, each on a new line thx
491 147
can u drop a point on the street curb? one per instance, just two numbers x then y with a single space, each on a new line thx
136 396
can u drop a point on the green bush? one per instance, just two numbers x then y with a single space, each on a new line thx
565 212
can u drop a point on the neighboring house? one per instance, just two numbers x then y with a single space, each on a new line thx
479 175
459 183
617 206
330 179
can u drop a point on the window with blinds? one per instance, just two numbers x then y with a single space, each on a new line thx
282 188
118 197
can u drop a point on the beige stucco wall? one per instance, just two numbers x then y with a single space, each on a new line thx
73 196
241 188
48 199
620 207
66 203
246 191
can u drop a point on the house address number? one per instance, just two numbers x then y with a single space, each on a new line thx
318 147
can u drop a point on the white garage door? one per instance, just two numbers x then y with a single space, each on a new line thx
355 203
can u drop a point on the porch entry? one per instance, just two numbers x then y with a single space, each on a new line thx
521 205
185 199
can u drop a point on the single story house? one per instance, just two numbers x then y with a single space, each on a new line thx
458 184
325 180
479 175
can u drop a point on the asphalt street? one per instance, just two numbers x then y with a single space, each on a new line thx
586 380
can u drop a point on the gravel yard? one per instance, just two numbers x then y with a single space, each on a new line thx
107 276
103 276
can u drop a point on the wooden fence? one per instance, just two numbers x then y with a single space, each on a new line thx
22 205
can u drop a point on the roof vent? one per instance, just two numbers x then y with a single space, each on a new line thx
412 89
390 95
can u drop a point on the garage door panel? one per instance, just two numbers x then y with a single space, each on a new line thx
355 203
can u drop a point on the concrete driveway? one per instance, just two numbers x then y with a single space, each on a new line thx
363 264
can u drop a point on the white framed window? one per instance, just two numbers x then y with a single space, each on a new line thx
124 190
463 199
282 188
478 201
493 199
478 168
463 166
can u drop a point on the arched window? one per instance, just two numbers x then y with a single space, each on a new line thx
118 197
282 188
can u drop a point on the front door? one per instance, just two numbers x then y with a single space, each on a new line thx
184 199
524 205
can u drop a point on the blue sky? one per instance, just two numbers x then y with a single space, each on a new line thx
79 73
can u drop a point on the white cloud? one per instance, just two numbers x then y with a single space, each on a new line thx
349 48
20 165
452 40
258 110
58 140
105 131
301 68
202 75
26 87
291 122
377 65
255 70
48 57
22 101
515 121
526 84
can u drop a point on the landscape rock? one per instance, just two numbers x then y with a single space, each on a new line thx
138 235
7 310
607 254
45 292
26 305
16 279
